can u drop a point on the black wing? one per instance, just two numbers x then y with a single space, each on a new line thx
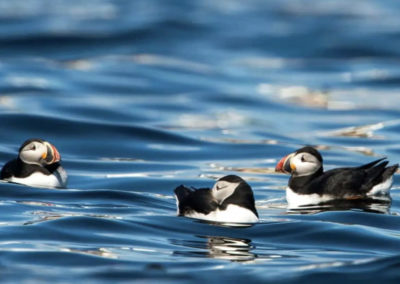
199 200
9 169
353 182
19 169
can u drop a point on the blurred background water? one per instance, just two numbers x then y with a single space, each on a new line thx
142 96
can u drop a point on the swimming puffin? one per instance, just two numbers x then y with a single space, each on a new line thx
310 185
230 200
38 164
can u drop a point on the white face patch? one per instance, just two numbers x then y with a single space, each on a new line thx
33 153
222 190
304 164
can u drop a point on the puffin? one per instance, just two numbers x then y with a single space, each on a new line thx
230 200
309 184
37 164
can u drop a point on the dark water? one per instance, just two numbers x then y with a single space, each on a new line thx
142 96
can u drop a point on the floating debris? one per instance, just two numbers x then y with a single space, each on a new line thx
299 95
165 61
364 131
81 65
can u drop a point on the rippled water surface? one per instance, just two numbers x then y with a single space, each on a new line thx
142 96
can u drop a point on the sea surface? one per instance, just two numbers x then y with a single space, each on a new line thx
142 96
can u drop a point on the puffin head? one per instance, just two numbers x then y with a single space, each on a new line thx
226 186
305 161
38 152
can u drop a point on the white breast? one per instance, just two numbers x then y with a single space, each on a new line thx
296 200
38 179
232 214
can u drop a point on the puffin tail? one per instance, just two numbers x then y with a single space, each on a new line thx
389 171
181 194
370 165
376 173
381 178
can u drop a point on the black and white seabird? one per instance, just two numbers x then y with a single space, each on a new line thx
231 200
310 185
38 164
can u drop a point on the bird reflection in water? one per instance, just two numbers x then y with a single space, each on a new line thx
366 205
230 248
219 247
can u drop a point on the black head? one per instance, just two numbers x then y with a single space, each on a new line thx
305 161
39 152
232 179
29 141
233 189
312 151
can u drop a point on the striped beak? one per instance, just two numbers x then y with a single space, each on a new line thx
284 165
52 155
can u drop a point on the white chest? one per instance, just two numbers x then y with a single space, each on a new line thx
57 179
296 200
232 214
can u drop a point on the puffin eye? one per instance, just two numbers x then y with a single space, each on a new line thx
33 147
302 159
221 186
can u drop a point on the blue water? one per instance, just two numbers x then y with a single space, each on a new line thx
142 96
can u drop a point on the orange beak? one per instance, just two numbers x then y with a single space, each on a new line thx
56 155
279 165
51 156
283 166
